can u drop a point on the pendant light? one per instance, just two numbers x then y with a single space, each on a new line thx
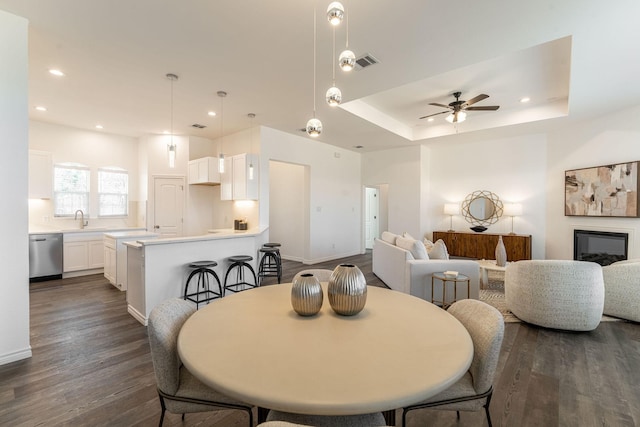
347 59
333 95
171 147
314 126
221 94
335 13
251 116
457 117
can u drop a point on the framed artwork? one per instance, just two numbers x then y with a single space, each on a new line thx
607 191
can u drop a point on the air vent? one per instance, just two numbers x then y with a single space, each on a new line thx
198 125
365 60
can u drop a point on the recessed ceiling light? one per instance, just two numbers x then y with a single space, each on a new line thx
56 72
99 127
525 99
41 108
430 119
212 113
166 132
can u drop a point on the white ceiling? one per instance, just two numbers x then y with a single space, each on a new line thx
576 59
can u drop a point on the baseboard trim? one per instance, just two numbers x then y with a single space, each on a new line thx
15 356
136 314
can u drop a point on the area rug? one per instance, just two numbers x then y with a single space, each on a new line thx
493 294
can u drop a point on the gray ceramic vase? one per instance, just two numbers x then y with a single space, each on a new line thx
306 295
501 253
347 290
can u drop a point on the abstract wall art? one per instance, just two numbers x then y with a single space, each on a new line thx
607 191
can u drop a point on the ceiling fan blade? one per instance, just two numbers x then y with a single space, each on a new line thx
439 105
475 99
483 108
436 114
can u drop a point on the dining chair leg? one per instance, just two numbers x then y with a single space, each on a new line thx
164 408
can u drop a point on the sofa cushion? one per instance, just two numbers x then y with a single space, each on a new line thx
437 250
388 237
416 247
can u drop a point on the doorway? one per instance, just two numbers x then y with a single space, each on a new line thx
168 206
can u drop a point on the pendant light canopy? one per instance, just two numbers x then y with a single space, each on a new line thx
171 146
335 13
222 94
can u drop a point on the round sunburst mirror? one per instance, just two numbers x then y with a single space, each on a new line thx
482 208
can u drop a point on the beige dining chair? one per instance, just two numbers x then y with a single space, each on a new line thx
179 391
321 274
473 391
285 419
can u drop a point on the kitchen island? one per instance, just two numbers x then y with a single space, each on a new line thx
157 269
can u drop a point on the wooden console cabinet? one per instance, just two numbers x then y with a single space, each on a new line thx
483 246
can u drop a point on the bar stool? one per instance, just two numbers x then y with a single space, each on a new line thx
240 262
270 265
276 246
201 271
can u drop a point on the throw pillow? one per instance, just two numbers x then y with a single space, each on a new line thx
388 237
414 246
408 236
438 250
428 244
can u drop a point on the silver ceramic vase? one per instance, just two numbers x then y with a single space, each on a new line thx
306 295
347 290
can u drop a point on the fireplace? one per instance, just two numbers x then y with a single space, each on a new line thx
602 247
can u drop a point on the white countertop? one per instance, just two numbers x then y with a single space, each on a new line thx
223 233
43 229
134 234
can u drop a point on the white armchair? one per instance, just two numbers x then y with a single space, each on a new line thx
622 290
556 293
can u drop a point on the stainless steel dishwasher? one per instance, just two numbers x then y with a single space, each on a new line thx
45 256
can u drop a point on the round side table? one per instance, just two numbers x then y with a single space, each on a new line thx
444 279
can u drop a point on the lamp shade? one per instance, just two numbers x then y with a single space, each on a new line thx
451 209
512 209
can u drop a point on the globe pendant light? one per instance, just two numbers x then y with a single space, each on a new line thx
171 147
221 94
334 95
314 126
347 59
335 13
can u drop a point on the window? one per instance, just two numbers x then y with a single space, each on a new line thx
113 192
70 189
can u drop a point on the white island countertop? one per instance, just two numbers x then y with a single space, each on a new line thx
222 233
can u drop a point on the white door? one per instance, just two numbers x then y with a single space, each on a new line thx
371 222
168 206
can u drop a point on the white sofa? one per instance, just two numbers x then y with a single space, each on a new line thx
399 270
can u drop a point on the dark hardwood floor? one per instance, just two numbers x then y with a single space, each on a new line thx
91 367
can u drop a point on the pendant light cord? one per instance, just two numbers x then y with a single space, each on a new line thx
314 61
333 64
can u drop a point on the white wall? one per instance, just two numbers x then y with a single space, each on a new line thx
513 168
335 192
14 128
401 170
288 186
614 138
92 149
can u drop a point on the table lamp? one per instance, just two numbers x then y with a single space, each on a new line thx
451 209
512 210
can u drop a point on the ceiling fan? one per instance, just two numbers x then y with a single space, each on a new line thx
457 108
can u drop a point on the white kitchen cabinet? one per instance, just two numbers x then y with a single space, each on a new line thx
110 261
204 171
82 251
235 181
115 255
40 174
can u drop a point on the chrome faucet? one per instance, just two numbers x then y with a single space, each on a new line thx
82 221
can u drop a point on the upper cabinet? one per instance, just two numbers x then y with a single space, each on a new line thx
40 174
204 171
236 181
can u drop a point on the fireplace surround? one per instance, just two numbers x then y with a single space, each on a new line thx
602 247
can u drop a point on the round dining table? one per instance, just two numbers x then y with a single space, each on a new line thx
254 347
